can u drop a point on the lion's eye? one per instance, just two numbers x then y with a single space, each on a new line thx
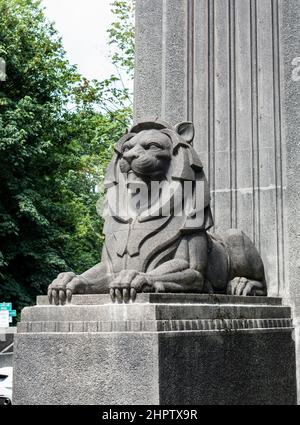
126 148
153 146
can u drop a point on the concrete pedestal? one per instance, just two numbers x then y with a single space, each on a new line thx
164 349
233 68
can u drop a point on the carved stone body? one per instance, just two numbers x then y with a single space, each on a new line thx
157 218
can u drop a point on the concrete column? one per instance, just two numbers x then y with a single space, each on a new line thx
162 60
289 29
227 65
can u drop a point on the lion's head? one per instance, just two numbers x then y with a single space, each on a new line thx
147 154
154 150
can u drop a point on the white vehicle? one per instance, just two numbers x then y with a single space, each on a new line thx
6 374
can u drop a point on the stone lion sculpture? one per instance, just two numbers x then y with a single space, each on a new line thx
149 246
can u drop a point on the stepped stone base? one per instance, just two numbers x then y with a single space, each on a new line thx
164 349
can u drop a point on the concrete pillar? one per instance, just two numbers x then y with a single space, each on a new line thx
227 66
289 30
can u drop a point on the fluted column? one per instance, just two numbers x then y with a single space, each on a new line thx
221 64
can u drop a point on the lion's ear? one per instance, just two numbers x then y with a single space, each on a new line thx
186 130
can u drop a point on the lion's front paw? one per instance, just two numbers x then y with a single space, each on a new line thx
120 287
244 287
128 283
64 286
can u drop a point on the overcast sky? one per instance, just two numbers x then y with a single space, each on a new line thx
83 25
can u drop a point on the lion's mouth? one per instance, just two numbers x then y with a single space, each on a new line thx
144 165
145 168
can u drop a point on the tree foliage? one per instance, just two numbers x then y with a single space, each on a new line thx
57 132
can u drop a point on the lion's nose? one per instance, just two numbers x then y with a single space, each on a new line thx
133 153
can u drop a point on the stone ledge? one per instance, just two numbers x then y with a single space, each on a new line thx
160 298
154 326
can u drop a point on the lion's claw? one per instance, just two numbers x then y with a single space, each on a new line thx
126 286
240 286
64 286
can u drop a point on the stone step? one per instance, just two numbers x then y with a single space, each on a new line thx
144 312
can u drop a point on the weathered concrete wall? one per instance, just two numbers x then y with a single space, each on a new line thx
290 80
227 66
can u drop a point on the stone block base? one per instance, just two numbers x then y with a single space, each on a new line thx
164 349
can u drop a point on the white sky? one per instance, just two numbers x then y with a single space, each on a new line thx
83 25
